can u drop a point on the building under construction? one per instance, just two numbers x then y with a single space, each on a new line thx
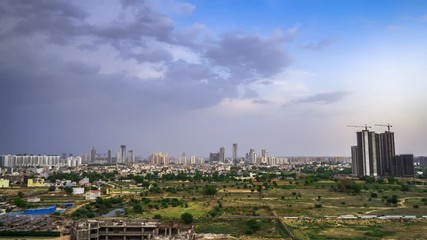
375 155
128 229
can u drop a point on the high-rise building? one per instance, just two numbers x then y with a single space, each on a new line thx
222 154
366 153
252 156
130 158
109 157
213 157
385 153
354 169
403 165
121 156
93 155
234 157
159 158
374 155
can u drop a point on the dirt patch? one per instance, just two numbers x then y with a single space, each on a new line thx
341 233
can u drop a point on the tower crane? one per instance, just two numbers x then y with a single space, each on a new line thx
384 125
366 126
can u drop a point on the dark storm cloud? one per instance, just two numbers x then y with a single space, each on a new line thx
248 57
324 98
43 94
59 20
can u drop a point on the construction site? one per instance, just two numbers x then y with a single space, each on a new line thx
128 229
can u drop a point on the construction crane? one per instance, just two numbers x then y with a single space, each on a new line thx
366 126
383 125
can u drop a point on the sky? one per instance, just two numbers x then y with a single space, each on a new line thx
193 76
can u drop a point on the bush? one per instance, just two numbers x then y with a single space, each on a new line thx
187 218
68 190
19 202
374 195
252 226
157 216
318 205
52 188
137 208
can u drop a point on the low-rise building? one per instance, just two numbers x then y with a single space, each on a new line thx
93 194
37 182
4 183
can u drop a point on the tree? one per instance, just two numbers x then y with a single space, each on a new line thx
209 190
137 208
252 226
21 194
187 218
157 216
19 202
68 190
393 200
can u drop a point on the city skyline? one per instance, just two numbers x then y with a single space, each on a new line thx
195 76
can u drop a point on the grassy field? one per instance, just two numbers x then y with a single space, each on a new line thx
238 202
372 229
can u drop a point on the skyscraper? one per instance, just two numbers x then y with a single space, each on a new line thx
222 154
374 155
93 154
121 156
109 157
234 151
130 157
385 153
354 159
366 157
252 156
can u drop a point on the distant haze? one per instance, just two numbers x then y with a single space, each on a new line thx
193 76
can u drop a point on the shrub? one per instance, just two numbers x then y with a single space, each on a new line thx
187 218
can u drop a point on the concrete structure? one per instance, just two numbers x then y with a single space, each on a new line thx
128 229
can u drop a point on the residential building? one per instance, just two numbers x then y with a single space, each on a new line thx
4 183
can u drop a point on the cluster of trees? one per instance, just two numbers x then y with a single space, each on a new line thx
100 206
349 186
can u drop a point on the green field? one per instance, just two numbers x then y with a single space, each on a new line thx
237 202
